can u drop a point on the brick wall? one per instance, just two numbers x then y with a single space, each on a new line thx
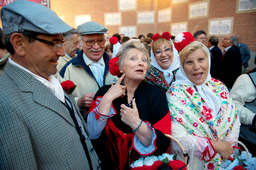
243 23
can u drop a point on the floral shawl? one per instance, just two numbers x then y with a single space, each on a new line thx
190 110
156 77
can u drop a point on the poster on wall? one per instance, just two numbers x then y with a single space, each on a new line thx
80 19
42 2
129 31
220 26
112 18
146 17
177 28
126 5
198 9
246 5
164 15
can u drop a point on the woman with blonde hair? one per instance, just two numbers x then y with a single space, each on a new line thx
165 60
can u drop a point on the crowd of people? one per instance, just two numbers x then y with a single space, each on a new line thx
129 94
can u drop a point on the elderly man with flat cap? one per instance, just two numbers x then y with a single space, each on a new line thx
40 127
89 70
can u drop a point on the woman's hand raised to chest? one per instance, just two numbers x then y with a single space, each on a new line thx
130 116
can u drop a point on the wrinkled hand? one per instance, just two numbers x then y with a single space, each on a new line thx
86 100
224 148
116 90
130 116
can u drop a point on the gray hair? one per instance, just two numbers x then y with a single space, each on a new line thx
234 40
127 46
69 34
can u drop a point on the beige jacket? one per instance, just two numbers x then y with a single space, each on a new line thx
79 72
62 61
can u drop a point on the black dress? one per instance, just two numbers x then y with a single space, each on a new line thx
115 145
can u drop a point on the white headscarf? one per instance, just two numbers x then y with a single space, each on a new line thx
210 98
116 48
174 65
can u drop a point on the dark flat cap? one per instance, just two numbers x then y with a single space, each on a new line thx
22 15
91 28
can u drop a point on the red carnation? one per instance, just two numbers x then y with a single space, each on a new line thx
156 37
177 165
113 66
166 35
113 40
68 86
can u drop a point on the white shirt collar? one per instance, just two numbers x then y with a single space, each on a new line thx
211 47
88 61
53 84
97 69
226 49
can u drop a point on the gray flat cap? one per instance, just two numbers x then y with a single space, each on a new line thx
22 15
91 28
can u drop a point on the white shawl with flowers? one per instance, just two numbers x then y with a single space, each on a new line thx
196 122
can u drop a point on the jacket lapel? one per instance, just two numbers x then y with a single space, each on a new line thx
40 93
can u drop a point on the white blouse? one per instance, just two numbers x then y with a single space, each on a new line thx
243 91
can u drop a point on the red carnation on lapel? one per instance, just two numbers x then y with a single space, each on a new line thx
68 86
113 66
113 40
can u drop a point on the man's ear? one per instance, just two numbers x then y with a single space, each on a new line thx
18 42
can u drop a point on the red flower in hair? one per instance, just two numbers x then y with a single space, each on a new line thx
166 35
113 66
113 40
182 40
68 86
156 37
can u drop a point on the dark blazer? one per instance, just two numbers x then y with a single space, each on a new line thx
36 129
216 56
230 66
